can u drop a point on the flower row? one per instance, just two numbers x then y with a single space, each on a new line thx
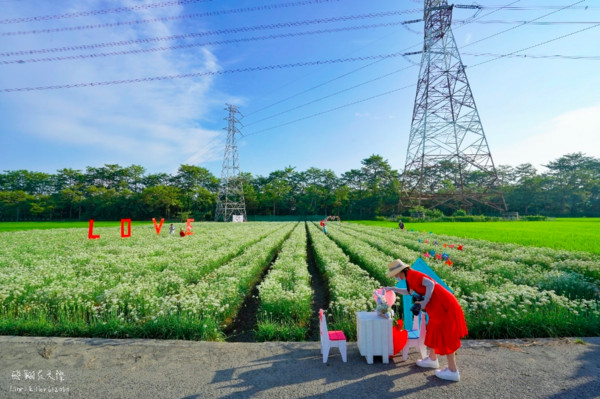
363 254
350 287
507 299
285 294
494 270
58 275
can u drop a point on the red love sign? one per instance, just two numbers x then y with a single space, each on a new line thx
400 337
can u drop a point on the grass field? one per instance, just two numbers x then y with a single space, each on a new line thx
568 234
60 283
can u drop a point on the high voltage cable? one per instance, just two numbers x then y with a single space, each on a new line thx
524 23
404 55
532 8
312 63
201 73
368 65
331 110
474 19
536 45
197 15
405 87
315 87
100 12
534 56
192 45
202 34
532 23
171 18
328 96
206 73
139 80
216 13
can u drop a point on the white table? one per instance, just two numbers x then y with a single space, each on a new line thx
374 336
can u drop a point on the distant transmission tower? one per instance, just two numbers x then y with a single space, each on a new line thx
448 161
230 202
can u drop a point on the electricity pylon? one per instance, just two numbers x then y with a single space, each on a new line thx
231 201
448 160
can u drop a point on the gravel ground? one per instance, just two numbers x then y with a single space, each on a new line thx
32 367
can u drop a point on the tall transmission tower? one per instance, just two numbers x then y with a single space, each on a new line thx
231 201
448 160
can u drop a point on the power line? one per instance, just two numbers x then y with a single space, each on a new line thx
205 73
171 18
202 34
100 12
192 45
315 87
533 8
370 64
393 91
328 96
474 19
535 45
531 23
331 110
534 56
524 23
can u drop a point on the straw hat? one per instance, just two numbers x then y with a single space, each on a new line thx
395 267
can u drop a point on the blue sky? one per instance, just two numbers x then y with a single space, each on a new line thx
533 109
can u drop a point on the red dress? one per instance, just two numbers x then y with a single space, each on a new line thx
447 323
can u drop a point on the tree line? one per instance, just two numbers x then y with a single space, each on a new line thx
570 186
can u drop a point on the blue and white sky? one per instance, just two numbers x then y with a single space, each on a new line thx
533 109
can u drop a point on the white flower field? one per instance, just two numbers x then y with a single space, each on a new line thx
58 282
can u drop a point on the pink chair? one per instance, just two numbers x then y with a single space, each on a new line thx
331 339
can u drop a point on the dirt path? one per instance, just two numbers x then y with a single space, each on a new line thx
319 287
244 325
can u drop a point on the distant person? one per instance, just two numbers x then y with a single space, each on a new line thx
181 232
172 229
400 225
324 226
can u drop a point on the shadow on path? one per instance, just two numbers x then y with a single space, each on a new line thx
587 376
287 374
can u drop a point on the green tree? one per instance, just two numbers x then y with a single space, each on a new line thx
14 205
382 185
277 188
572 178
70 186
164 200
198 188
156 179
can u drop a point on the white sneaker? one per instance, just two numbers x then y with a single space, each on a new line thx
446 374
427 362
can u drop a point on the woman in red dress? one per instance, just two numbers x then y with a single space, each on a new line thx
446 325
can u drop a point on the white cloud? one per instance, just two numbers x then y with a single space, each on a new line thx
154 123
572 131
